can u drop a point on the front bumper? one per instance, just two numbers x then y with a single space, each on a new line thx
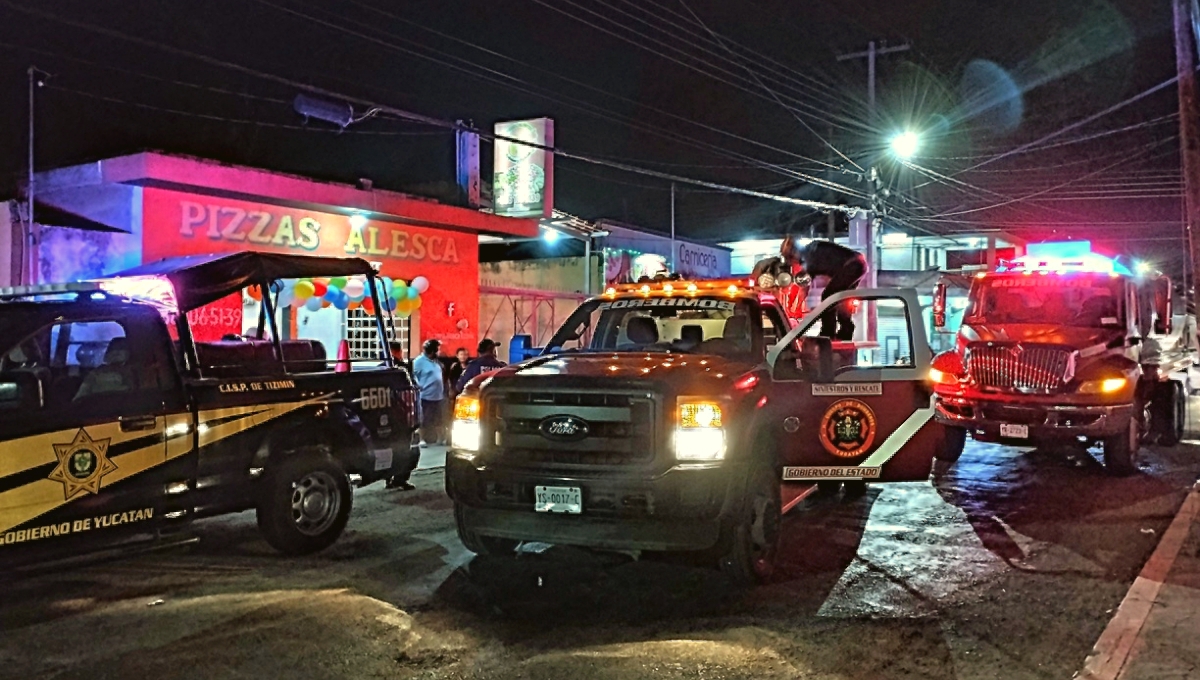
1046 422
679 509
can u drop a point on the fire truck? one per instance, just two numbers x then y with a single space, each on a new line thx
686 417
1065 346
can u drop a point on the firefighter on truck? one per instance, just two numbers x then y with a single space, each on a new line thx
1064 346
116 424
686 416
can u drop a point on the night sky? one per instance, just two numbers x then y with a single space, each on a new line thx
642 82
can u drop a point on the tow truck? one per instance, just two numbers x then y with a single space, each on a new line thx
686 416
1065 346
117 425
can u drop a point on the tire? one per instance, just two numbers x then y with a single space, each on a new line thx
1169 413
305 503
749 542
481 545
1121 450
953 444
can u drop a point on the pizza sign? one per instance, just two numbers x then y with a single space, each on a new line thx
848 428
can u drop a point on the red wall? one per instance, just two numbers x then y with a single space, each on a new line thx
177 223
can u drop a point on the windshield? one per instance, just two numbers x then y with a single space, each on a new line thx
703 325
1080 300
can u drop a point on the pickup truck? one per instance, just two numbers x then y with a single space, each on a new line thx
115 424
688 417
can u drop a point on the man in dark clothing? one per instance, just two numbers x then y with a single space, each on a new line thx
842 266
404 461
486 361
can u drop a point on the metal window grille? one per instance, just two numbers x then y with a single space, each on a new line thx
362 337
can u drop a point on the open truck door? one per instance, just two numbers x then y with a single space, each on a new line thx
856 411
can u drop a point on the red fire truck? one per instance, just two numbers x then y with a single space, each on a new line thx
1064 347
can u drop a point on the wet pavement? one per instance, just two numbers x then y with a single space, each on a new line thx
1006 565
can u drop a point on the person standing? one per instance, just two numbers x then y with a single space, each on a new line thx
405 460
486 361
843 267
462 359
430 379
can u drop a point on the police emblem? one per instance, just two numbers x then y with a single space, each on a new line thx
82 464
848 428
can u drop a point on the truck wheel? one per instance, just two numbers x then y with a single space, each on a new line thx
1121 450
480 545
750 541
1169 414
305 504
953 445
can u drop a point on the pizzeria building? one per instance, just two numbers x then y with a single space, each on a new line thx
103 217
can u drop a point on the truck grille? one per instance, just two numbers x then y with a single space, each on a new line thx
1019 367
620 428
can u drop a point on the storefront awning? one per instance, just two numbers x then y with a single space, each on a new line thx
201 279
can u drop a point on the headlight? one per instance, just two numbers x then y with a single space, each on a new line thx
699 435
942 377
464 431
1104 386
765 280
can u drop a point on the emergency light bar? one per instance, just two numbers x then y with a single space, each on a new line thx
670 286
49 289
152 289
1088 263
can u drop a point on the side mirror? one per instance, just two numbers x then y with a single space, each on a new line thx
816 358
939 305
1163 323
20 390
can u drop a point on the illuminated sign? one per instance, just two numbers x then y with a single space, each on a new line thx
523 179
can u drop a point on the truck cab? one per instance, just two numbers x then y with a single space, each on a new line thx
684 416
117 424
1064 350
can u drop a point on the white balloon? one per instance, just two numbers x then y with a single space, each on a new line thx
354 288
420 283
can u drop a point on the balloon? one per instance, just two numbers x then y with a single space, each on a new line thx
399 289
325 303
342 302
354 288
405 306
368 305
276 286
413 293
385 283
304 289
254 292
314 304
421 284
416 304
337 282
285 298
332 294
402 314
392 304
319 288
353 304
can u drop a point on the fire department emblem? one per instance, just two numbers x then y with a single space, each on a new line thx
848 428
82 464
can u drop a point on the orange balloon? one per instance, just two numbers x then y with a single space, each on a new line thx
254 292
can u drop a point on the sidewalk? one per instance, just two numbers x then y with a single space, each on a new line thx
1155 633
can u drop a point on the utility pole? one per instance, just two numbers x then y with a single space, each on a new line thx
29 254
1189 128
865 233
672 227
872 53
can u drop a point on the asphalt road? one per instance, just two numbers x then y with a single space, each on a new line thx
1007 565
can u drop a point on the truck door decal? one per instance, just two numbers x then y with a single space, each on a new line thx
900 436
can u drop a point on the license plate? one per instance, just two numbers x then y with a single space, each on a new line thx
568 499
1014 431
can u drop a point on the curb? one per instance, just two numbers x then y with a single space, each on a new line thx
1115 648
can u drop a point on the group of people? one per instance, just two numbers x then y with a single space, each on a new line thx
439 379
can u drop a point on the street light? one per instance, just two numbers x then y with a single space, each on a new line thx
905 144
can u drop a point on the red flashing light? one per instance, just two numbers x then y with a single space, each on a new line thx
746 382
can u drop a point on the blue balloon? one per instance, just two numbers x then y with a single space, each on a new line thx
342 302
313 304
391 304
277 286
413 293
332 294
